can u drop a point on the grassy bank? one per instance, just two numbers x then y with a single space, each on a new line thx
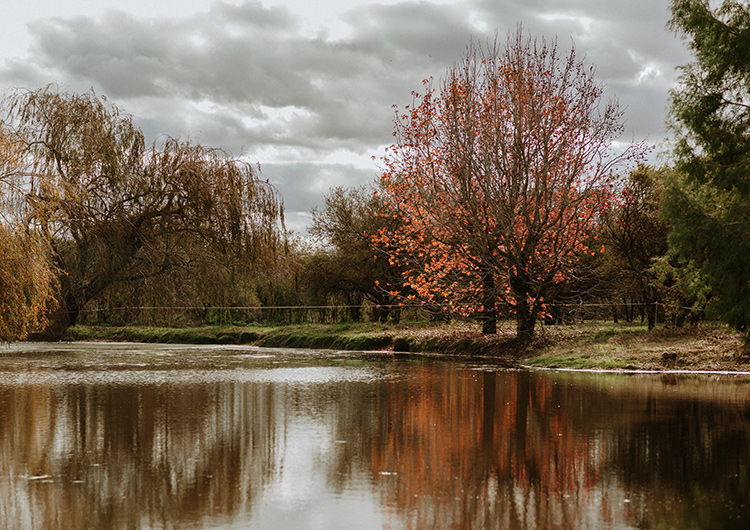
633 347
454 339
591 345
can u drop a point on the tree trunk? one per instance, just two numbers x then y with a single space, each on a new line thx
525 320
396 315
651 315
525 313
489 309
650 299
63 317
438 314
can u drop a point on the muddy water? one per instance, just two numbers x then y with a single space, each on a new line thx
155 436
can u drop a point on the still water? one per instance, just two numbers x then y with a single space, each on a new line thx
153 436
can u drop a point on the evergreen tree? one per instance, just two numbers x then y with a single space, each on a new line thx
709 204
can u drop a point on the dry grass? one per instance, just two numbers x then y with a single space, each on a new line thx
703 347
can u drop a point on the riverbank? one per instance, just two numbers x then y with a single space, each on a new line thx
590 345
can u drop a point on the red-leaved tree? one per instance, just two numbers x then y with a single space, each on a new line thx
500 177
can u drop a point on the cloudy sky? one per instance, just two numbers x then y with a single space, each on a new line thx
306 87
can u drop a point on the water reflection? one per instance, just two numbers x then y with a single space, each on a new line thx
153 437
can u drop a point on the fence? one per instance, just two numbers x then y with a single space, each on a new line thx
333 314
198 315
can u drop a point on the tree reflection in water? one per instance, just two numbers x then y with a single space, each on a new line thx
401 444
133 457
479 449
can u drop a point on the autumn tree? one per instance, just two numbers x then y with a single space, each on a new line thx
710 114
27 278
636 234
500 176
115 210
348 263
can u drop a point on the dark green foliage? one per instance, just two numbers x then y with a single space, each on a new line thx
709 203
682 287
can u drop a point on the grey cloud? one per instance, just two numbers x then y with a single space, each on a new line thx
304 184
634 54
409 31
609 34
193 58
200 58
247 77
122 57
22 73
253 15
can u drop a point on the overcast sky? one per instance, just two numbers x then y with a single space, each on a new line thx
306 87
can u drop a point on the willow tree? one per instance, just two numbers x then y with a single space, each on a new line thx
115 210
500 175
27 278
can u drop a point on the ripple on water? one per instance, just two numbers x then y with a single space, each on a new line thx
148 364
134 377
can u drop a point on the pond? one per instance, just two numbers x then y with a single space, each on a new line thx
98 435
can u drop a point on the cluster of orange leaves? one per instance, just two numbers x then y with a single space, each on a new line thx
501 170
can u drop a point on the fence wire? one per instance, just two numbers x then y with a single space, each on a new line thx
324 314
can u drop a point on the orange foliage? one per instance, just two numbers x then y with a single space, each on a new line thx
500 177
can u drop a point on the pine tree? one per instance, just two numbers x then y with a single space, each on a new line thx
709 204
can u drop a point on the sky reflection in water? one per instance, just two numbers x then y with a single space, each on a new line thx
158 436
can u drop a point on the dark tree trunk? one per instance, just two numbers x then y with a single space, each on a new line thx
64 316
525 313
650 300
525 320
629 311
489 309
396 315
354 299
438 314
381 313
648 305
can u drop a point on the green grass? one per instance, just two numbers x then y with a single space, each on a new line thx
592 359
336 336
590 345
